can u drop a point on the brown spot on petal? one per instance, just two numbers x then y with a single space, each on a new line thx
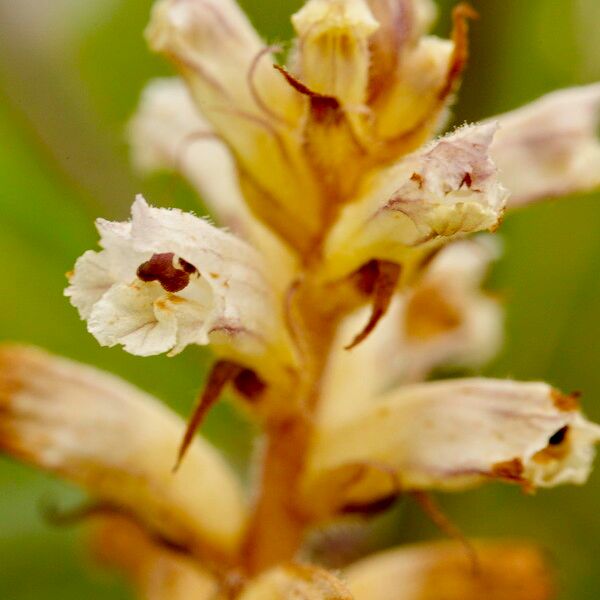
418 179
386 280
509 470
162 268
566 402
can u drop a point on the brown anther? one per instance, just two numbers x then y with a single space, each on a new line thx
161 268
467 180
418 179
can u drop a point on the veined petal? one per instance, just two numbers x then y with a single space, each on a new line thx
231 78
509 570
167 279
156 571
444 319
167 132
551 147
296 581
451 435
401 24
447 189
120 445
333 55
412 101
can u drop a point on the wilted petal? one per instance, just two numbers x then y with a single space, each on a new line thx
252 108
551 147
156 571
450 435
296 581
447 189
169 279
120 445
508 571
333 55
444 319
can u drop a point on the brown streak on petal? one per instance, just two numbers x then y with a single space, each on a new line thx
222 372
385 285
509 470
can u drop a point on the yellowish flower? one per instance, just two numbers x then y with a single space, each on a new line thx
347 226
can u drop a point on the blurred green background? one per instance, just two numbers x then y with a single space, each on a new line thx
70 76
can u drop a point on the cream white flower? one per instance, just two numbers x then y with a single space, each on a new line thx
550 147
119 444
448 189
167 279
450 435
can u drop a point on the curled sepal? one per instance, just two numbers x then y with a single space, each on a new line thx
551 147
167 279
448 189
296 581
333 54
155 570
509 570
451 435
118 444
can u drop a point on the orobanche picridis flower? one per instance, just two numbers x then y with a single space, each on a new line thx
345 277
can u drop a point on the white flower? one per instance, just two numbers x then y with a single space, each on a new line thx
447 189
550 148
450 435
167 279
119 444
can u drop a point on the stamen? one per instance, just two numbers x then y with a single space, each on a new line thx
222 373
388 275
446 526
161 268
